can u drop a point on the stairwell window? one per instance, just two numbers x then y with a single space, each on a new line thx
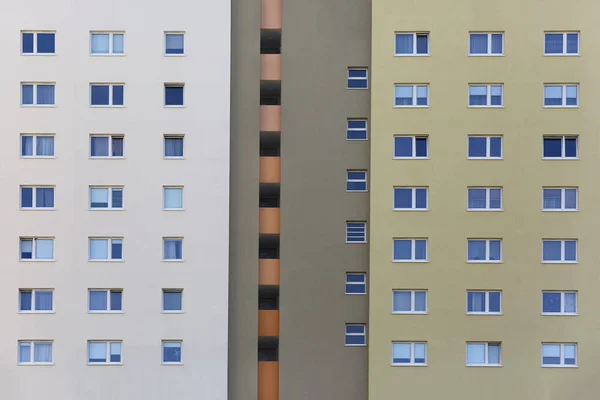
358 78
356 283
356 335
356 181
356 232
357 129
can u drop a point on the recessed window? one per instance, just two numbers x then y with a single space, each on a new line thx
356 232
174 94
409 353
357 129
38 42
410 198
37 146
35 352
557 95
484 302
484 250
104 352
409 302
106 198
486 44
484 199
559 303
356 335
356 181
106 43
561 147
559 354
411 95
37 197
559 251
105 300
561 43
410 147
172 300
106 94
412 44
560 199
106 249
410 250
485 96
358 78
36 249
37 94
483 354
173 146
174 43
36 300
356 283
172 198
171 352
106 146
172 249
485 147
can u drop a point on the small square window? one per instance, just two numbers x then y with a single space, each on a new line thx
410 198
561 147
36 249
561 95
484 199
485 96
107 43
559 199
484 250
106 94
483 354
485 147
357 129
105 300
171 352
559 354
356 283
410 147
173 94
356 232
561 43
356 181
37 146
173 146
43 43
409 353
172 300
37 94
410 250
484 302
37 197
36 300
356 335
106 146
104 352
486 44
411 95
39 352
559 251
172 198
174 44
106 249
358 78
172 249
409 302
412 44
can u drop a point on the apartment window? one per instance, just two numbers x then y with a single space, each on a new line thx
172 300
560 147
559 303
412 44
356 283
356 181
174 94
356 232
561 43
106 146
560 199
484 250
172 198
409 353
106 249
171 352
483 354
37 197
35 300
104 352
409 302
105 300
37 94
410 147
410 198
358 78
484 199
35 352
105 43
561 95
356 335
357 129
37 145
173 146
106 198
174 43
410 250
106 94
36 248
172 249
485 147
486 44
485 95
484 302
411 95
559 354
559 251
38 43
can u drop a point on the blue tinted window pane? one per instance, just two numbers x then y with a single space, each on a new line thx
478 43
477 95
172 301
43 300
100 95
402 250
45 43
476 250
115 300
572 43
26 197
551 250
476 302
117 146
357 130
495 252
116 249
26 145
554 43
357 83
174 43
99 146
551 302
355 124
26 249
25 301
422 44
355 329
27 43
494 301
356 289
421 198
172 352
355 339
27 94
404 43
44 197
497 43
98 300
118 95
357 73
355 278
356 135
117 198
173 95
403 95
570 250
476 198
118 45
359 186
477 147
115 358
570 147
45 94
495 198
403 146
402 198
495 147
421 147
420 250
552 147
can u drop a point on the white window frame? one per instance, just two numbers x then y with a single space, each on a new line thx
35 43
562 251
34 197
32 352
162 346
180 238
366 180
173 136
165 43
488 95
415 87
486 362
109 240
412 354
162 302
108 300
488 199
563 95
562 356
35 85
33 305
562 199
110 145
414 37
33 249
175 85
110 94
564 52
487 251
412 301
562 302
110 43
488 147
487 303
110 199
366 130
563 139
364 226
489 45
363 283
414 198
107 344
349 78
34 137
363 334
413 245
164 191
414 147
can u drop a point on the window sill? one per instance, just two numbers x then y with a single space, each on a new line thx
559 314
484 262
106 158
485 313
559 210
564 107
105 312
427 106
409 313
105 261
409 365
38 105
37 209
39 54
560 366
485 209
106 106
486 55
357 191
356 242
173 209
106 209
355 294
173 261
104 364
355 345
108 54
483 365
50 364
174 158
410 261
485 158
411 55
36 312
36 261
562 54
560 158
167 364
172 312
37 157
495 107
560 262
174 106
357 140
410 158
175 55
362 88
410 209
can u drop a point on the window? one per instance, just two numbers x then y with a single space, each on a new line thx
410 198
486 44
559 354
356 335
171 352
107 43
106 94
37 197
35 352
407 353
560 199
106 249
172 198
104 352
37 94
38 42
33 146
105 300
409 302
356 232
35 300
356 181
173 146
173 94
557 303
356 283
174 44
484 302
412 44
411 96
484 250
172 300
106 146
357 129
484 199
39 249
485 147
561 95
106 198
410 250
172 249
483 354
410 147
561 147
559 251
561 43
485 96
358 78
